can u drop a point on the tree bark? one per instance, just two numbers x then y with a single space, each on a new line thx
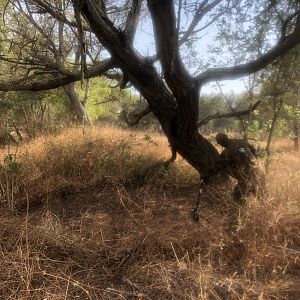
76 104
173 99
177 111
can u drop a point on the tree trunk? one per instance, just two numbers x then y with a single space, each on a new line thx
296 136
271 132
179 123
177 111
17 131
76 104
28 130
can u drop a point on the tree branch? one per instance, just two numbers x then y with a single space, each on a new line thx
141 73
233 114
200 13
30 18
179 80
137 116
164 22
286 23
108 100
47 8
28 84
133 19
234 72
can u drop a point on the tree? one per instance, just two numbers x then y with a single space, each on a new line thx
173 99
281 92
29 114
212 108
42 46
291 107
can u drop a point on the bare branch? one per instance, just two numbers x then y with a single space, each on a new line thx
39 62
31 19
108 100
179 17
113 75
137 116
29 84
286 23
132 19
234 72
184 38
233 114
200 13
47 8
123 80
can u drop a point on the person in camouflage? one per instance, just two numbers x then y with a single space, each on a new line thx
239 160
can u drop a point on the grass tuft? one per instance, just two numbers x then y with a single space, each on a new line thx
115 224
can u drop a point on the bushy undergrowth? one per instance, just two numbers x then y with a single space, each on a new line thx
115 224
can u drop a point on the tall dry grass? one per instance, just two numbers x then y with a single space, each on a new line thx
114 224
78 159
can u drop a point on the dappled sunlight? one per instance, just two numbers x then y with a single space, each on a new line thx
98 227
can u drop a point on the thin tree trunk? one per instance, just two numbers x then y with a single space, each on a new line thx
17 131
271 133
296 135
42 117
33 118
29 134
76 104
296 107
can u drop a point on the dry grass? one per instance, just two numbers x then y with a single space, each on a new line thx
113 227
77 159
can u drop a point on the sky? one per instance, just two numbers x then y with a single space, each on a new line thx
228 87
144 43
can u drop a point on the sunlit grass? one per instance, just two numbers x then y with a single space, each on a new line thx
113 223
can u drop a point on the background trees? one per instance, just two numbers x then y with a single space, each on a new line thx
271 28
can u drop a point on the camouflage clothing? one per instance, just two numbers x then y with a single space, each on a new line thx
238 159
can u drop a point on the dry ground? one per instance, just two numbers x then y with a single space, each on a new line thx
96 220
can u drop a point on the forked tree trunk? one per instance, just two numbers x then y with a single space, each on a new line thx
76 104
178 123
177 112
